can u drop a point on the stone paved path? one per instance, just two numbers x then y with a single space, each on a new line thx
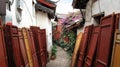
62 59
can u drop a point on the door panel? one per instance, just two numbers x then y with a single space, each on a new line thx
13 46
27 45
43 40
16 47
8 43
76 49
84 45
39 45
93 45
117 21
42 53
16 54
33 51
23 49
3 56
36 41
116 50
105 42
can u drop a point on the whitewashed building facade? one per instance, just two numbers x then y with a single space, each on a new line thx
95 8
23 13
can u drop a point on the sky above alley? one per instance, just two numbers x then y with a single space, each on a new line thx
64 6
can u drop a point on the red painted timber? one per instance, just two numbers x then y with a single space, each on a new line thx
9 49
3 55
38 45
34 30
104 49
84 45
43 40
93 45
42 53
32 46
46 3
23 48
13 46
117 23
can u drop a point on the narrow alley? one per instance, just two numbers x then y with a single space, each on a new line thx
59 33
62 59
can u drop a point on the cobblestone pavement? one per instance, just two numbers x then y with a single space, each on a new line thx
62 59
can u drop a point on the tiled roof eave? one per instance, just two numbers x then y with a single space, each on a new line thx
47 3
44 9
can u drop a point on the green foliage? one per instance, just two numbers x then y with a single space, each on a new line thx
62 43
54 50
69 47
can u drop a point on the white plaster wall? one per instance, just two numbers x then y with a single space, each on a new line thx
80 30
44 23
87 17
27 14
31 18
106 6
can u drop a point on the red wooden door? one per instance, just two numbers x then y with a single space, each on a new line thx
43 40
39 45
105 43
13 46
93 44
3 56
36 41
9 49
23 49
84 45
42 54
33 51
